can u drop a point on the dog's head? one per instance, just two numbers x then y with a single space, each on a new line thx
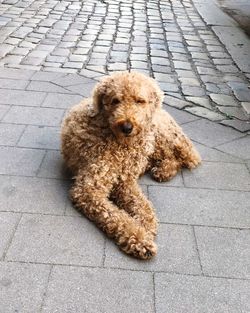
128 102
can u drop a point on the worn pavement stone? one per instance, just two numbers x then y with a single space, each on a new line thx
239 147
61 101
232 176
40 137
54 239
21 97
98 291
20 161
22 286
10 133
201 206
181 294
9 222
224 252
32 195
209 133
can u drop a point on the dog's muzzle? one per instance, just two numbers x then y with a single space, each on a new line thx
126 128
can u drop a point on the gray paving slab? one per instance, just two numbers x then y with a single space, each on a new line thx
99 290
181 117
239 147
214 175
22 286
53 166
176 253
57 240
41 137
20 161
201 206
9 222
46 87
21 97
224 252
34 116
10 73
212 154
181 294
209 133
32 195
13 83
10 133
3 110
61 101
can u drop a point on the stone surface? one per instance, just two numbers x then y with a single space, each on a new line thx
57 239
22 286
209 133
96 293
10 133
201 207
32 195
176 253
9 222
230 176
239 147
224 252
181 294
204 112
20 161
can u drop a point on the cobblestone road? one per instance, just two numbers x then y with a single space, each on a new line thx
52 259
166 39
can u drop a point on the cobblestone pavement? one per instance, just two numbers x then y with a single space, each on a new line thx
52 259
166 39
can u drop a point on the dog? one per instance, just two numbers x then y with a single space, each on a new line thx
108 141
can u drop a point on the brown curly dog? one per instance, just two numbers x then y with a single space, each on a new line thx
111 139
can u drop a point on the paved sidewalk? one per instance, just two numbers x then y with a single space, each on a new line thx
166 39
52 259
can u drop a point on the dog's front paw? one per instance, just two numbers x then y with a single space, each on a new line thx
193 161
143 249
162 174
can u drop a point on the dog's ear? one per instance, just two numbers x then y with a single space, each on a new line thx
99 92
156 95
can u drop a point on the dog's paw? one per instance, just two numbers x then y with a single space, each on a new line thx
160 174
144 249
193 161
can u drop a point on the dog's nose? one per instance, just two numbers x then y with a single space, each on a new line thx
126 128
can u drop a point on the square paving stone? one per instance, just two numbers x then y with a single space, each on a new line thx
40 137
3 110
10 133
231 176
46 86
20 161
62 101
35 116
8 222
239 147
176 253
182 294
13 83
15 74
181 117
57 239
99 290
22 286
212 154
53 166
21 97
210 133
33 195
201 206
224 252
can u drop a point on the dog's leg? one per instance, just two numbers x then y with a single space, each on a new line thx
171 154
91 197
129 196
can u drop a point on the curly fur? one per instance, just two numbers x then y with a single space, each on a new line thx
106 162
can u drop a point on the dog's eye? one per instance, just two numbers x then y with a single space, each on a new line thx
140 101
115 101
